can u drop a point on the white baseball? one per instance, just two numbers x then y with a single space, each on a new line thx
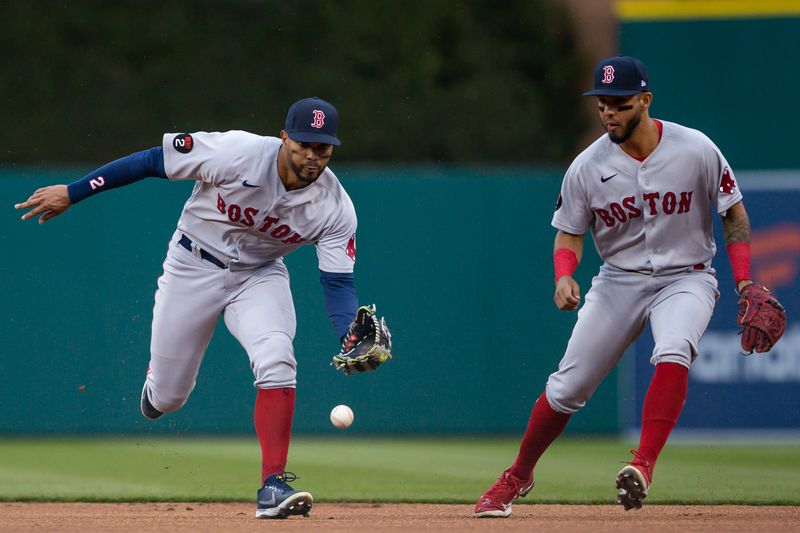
342 416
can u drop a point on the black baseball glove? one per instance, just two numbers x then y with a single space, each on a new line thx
366 345
762 317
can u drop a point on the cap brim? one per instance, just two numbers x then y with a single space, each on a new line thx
613 92
307 137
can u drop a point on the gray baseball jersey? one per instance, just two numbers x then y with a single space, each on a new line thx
651 224
240 211
650 216
241 214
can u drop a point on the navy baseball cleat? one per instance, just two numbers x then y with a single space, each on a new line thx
147 408
276 499
633 482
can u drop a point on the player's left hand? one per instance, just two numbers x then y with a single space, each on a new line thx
366 345
762 317
48 201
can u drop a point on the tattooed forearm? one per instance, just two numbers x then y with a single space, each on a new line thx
736 225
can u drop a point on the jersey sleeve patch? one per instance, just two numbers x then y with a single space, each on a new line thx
727 184
183 143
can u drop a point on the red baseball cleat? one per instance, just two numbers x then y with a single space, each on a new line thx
633 482
496 502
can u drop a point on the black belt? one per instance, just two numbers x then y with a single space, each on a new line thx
186 242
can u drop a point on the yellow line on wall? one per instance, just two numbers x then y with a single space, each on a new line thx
633 10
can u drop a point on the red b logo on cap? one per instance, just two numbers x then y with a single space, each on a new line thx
608 74
319 119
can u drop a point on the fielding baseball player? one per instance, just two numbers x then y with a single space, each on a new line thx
255 200
646 191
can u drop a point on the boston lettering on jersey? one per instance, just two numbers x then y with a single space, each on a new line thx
246 218
625 210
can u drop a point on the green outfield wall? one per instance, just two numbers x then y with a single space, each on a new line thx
458 260
725 67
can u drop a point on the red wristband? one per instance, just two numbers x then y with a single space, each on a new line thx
565 262
739 255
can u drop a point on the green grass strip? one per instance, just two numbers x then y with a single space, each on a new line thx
446 470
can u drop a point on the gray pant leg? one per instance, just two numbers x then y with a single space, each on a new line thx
611 318
188 301
262 318
679 316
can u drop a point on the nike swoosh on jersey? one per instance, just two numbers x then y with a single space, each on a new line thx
604 179
249 184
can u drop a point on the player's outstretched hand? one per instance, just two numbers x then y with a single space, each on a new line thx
568 293
48 202
366 345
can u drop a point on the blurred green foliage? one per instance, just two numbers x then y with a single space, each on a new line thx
416 80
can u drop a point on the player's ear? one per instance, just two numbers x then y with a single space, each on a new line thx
646 99
284 135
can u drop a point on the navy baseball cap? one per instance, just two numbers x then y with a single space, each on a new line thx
313 120
619 76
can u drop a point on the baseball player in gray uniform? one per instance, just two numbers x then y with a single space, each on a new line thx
255 200
646 190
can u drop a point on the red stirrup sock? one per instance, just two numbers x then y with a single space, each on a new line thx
273 420
544 425
662 407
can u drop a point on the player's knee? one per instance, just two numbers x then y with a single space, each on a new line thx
273 362
167 403
674 349
565 397
565 403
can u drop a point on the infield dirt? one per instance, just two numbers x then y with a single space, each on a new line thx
179 517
